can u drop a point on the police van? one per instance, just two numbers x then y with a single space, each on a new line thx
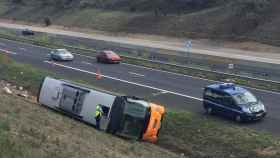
233 101
126 116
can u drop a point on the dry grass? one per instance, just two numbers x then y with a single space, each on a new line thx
220 21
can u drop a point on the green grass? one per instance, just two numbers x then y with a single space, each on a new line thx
94 18
204 136
23 75
193 135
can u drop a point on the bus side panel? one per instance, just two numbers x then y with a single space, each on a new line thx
91 101
50 92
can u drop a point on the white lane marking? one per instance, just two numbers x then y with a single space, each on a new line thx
209 80
23 49
8 52
87 63
159 93
136 74
261 90
124 81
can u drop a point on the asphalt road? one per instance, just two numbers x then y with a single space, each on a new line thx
175 91
242 67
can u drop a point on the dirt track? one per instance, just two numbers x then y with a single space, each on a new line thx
246 50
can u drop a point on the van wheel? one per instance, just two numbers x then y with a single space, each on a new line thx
238 118
209 111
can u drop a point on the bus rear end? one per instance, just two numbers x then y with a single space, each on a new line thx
135 118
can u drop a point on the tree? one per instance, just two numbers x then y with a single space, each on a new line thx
47 21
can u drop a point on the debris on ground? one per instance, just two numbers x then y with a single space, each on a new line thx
23 94
7 90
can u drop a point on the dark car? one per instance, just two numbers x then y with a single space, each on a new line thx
27 32
108 56
233 101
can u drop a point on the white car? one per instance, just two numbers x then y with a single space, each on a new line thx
61 55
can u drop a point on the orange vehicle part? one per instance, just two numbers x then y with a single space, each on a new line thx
151 133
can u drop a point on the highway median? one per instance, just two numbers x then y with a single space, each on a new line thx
183 134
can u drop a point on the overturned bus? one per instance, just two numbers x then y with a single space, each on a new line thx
125 116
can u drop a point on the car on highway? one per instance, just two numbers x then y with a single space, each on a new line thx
61 55
108 56
233 101
27 32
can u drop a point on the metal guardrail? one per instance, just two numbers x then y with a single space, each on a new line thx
204 70
151 63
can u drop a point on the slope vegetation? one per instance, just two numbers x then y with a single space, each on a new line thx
226 19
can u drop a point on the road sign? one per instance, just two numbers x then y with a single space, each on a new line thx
189 47
189 44
230 66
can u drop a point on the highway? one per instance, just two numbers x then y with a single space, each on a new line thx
176 91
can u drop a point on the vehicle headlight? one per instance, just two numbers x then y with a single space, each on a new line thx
247 110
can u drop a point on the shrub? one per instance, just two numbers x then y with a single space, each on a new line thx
47 21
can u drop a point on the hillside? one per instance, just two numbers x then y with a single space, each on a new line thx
217 19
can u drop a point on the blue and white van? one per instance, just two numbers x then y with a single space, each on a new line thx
232 101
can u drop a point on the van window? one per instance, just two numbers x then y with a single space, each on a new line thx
245 98
213 95
228 101
72 99
105 110
207 93
56 93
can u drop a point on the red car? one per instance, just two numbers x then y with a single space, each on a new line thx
108 56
